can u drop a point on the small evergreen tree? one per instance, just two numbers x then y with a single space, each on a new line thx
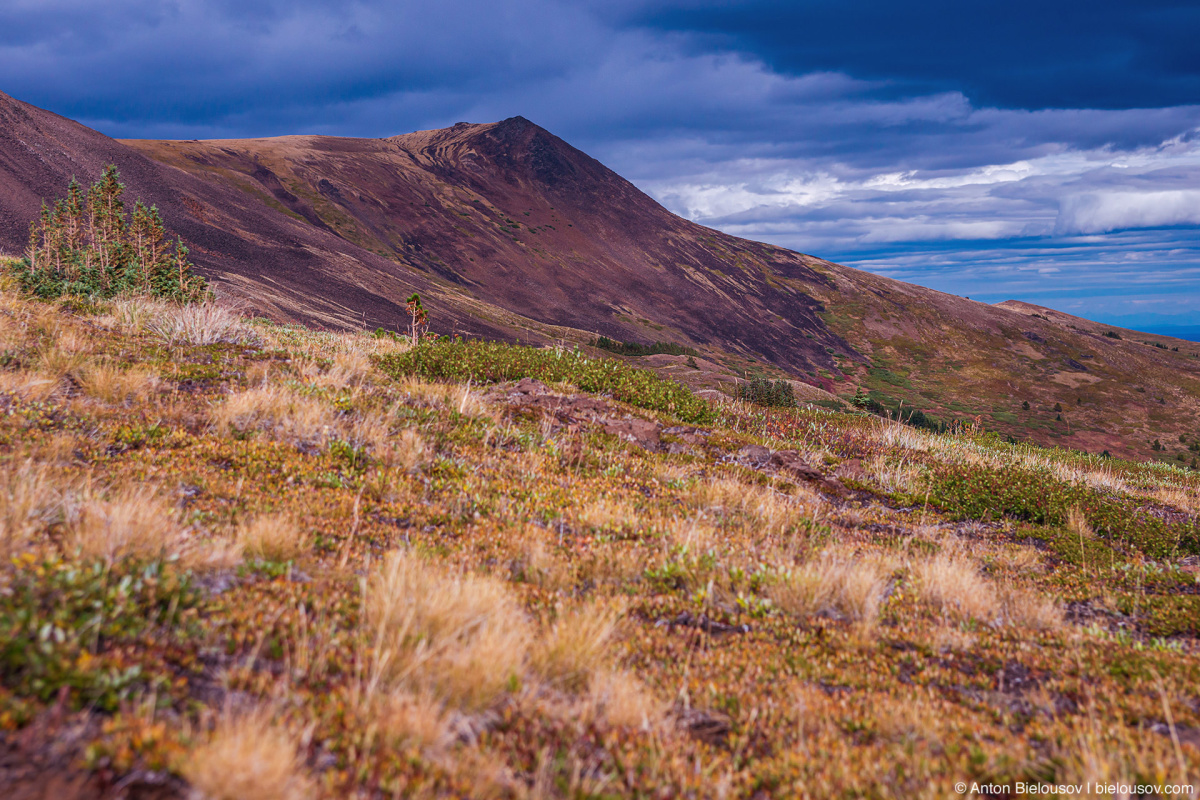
419 318
86 244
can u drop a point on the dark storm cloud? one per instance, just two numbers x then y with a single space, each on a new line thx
1014 54
1036 150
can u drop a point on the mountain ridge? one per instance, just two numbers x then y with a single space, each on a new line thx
512 233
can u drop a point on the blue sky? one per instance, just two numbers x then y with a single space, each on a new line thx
1046 151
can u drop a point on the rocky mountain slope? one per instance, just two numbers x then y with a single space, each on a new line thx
511 233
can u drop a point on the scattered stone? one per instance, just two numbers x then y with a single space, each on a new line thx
704 623
792 462
642 432
755 454
709 727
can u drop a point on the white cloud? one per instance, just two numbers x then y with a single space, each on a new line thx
1103 212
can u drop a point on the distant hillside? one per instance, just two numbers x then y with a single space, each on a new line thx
512 233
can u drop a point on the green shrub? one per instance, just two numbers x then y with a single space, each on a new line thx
64 625
87 245
969 492
489 362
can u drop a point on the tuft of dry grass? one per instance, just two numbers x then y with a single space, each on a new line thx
115 384
575 647
30 385
135 523
200 324
608 513
133 313
273 537
832 584
413 721
953 583
30 500
1030 610
409 451
248 756
349 368
462 638
621 700
279 411
534 561
893 475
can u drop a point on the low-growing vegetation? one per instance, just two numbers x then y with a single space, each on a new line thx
489 362
243 559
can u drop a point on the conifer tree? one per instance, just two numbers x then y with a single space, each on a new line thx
85 244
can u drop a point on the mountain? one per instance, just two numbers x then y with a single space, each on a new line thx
509 232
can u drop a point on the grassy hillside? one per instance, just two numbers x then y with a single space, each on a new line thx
1027 372
251 560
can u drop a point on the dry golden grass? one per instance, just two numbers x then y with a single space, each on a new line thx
278 411
115 384
954 584
894 475
575 646
412 721
132 314
848 587
31 498
273 537
133 523
409 451
1183 498
213 554
248 756
200 324
462 638
607 513
533 560
620 699
1028 609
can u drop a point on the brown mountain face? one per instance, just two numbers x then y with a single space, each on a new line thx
509 232
514 216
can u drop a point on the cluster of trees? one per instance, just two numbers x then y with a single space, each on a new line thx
909 416
635 349
87 244
766 392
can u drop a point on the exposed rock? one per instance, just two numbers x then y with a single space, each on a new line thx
704 623
754 454
530 386
632 429
710 727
